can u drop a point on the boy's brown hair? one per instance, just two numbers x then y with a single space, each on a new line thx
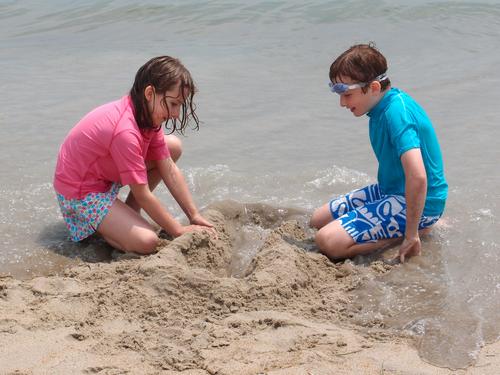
361 63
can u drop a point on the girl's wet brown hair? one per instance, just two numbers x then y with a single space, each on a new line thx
361 63
164 73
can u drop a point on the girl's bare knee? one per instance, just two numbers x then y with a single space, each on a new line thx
174 145
145 244
149 243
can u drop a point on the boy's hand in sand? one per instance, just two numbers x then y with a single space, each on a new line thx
410 247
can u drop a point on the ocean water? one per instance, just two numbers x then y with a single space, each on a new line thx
271 131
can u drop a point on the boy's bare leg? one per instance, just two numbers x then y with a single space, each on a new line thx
174 145
336 243
321 217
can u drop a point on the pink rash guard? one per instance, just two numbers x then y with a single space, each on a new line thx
105 147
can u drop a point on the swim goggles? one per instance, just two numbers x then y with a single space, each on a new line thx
341 88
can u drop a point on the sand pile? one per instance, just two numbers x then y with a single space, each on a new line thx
182 311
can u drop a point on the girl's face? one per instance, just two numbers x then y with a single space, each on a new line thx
356 100
165 106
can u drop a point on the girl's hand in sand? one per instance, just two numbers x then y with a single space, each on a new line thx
410 247
200 220
194 228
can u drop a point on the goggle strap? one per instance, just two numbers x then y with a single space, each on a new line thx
381 77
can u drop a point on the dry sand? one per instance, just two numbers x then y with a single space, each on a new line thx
181 311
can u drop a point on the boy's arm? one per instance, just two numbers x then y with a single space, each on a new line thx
415 194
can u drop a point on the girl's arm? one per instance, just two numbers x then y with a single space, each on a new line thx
415 194
147 200
176 184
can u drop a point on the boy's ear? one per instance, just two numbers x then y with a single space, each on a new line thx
149 93
375 87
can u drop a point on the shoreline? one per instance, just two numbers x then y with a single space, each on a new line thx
181 311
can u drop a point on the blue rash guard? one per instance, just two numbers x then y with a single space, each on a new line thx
398 124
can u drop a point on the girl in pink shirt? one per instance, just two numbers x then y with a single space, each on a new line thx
121 143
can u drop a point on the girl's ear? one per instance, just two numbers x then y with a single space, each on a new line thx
149 93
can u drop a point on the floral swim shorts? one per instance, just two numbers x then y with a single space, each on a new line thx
83 216
369 216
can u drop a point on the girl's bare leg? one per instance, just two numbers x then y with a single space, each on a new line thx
174 145
126 230
123 227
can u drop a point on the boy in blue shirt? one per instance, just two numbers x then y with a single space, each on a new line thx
411 189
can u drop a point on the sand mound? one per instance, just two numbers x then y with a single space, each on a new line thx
183 311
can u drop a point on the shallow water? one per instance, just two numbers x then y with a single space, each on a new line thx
271 132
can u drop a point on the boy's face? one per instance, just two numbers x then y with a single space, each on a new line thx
357 101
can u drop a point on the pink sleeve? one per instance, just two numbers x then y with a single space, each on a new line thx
127 154
158 149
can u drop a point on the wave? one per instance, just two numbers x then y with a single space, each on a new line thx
29 17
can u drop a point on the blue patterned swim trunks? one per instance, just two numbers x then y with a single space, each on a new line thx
369 216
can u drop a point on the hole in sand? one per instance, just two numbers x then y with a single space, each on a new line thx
249 225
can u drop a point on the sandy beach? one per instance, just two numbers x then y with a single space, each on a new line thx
181 311
259 299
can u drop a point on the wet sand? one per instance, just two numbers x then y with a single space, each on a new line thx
184 311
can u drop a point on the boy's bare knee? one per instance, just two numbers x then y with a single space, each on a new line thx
425 231
321 217
323 241
328 245
316 220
